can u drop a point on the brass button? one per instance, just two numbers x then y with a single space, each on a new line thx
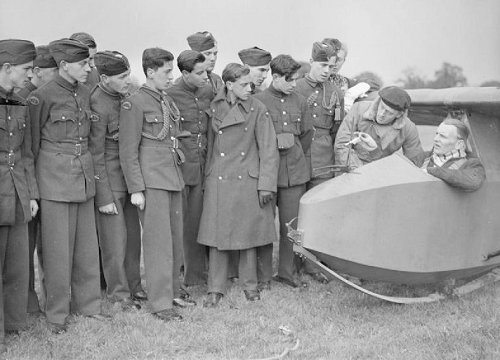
239 177
285 123
220 132
222 154
314 115
242 153
315 104
282 100
284 112
220 177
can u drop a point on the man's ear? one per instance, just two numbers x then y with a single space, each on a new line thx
149 73
185 73
311 61
6 67
36 71
229 85
104 78
460 145
63 65
275 76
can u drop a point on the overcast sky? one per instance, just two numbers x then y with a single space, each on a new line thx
383 36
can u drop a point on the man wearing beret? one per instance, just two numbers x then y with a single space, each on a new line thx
257 61
117 220
18 187
150 159
378 129
288 112
44 70
61 119
89 40
205 43
193 95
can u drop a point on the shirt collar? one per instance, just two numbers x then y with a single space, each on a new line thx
223 96
184 85
154 93
11 95
275 92
65 83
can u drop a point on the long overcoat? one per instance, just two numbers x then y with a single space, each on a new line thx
242 159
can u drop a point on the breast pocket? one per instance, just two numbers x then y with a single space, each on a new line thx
153 124
62 124
325 120
292 124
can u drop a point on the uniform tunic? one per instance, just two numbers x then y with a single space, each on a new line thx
17 188
61 118
324 112
192 104
118 233
150 159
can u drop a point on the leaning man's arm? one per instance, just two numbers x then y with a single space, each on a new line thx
468 178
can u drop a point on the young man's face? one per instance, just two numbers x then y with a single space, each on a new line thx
118 83
78 71
161 78
320 70
284 84
241 88
385 114
210 58
19 74
196 78
44 75
258 74
447 140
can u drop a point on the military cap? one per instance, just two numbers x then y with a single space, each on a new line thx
322 52
43 58
255 56
16 52
111 62
201 41
335 43
84 38
68 50
395 97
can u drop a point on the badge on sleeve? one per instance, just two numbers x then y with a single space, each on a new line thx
34 100
94 117
127 105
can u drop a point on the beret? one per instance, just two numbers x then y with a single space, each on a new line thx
111 63
16 52
84 38
43 58
255 56
395 97
68 50
322 52
201 41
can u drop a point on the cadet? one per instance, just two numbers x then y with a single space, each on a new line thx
18 188
61 119
193 95
288 112
44 70
115 228
242 170
150 160
257 61
205 43
88 40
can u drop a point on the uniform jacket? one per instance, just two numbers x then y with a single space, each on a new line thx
17 171
466 174
243 158
389 138
61 116
146 162
103 144
288 113
193 104
324 111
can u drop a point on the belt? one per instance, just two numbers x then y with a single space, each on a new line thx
170 143
321 132
65 148
10 157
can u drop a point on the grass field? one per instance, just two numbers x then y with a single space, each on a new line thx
330 321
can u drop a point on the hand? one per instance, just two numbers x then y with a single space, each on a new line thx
138 200
367 141
109 209
34 208
265 197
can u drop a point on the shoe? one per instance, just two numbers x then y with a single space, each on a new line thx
212 300
183 302
57 329
128 304
319 277
264 285
168 315
292 283
100 317
139 295
252 295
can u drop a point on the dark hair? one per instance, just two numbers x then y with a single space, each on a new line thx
462 129
188 59
284 65
234 71
154 58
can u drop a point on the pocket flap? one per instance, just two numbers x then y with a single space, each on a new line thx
62 115
153 118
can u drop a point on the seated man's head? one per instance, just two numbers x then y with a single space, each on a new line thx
394 102
451 135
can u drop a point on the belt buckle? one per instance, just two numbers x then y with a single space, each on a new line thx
175 143
78 149
11 159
